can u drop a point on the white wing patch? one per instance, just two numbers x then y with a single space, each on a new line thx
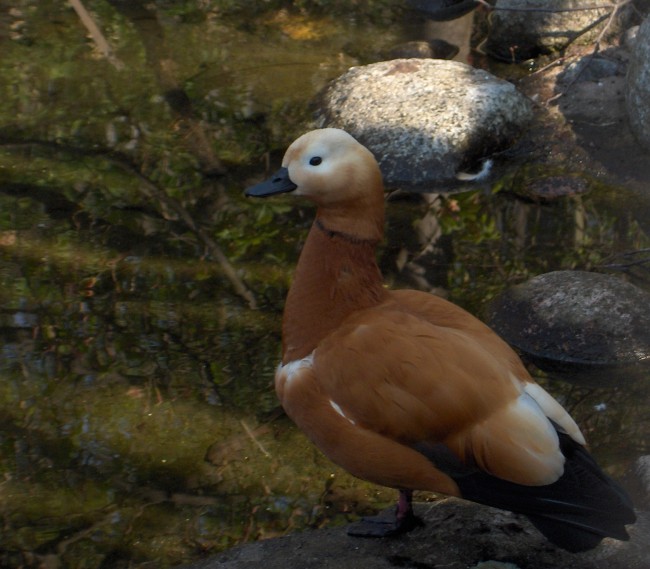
554 411
338 409
288 372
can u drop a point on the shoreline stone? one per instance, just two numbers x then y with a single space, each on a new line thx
584 327
426 120
638 86
455 533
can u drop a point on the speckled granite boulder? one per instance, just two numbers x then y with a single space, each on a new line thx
638 85
584 327
425 120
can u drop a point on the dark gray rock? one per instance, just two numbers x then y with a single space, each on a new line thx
637 483
642 473
600 102
585 327
518 32
593 88
456 534
546 189
643 470
425 120
594 68
638 85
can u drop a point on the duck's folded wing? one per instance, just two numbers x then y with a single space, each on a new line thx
411 381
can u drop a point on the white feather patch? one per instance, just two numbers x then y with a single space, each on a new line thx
292 369
554 411
338 409
538 438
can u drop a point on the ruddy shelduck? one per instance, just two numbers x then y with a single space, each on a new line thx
407 390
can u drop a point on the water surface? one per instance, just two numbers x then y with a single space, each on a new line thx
139 423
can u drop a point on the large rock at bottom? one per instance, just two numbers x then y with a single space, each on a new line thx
638 86
425 119
455 534
521 29
584 327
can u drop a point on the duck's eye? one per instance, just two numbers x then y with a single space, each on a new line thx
315 160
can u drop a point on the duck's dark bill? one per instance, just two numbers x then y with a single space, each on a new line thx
279 183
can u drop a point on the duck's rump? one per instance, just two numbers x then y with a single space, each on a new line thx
575 512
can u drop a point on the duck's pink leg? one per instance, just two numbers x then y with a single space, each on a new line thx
386 524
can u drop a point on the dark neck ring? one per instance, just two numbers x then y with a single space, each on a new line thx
348 237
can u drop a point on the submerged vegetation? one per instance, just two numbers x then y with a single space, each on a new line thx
141 295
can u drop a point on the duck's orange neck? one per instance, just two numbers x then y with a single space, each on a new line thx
337 274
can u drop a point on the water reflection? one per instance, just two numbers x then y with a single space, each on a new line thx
139 422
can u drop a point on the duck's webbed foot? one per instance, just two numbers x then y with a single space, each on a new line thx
388 524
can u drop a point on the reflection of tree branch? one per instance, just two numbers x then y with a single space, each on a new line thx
160 59
107 520
609 264
160 197
96 33
215 251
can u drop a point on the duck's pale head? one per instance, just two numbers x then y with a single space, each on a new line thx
329 167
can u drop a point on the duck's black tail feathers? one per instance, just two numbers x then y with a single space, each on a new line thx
576 512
